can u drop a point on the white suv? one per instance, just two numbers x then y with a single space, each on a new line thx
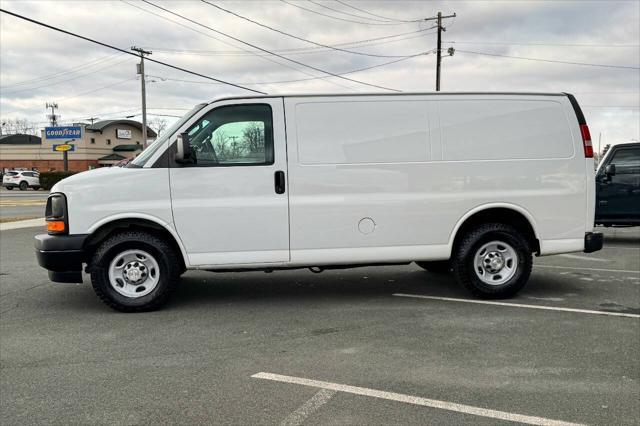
21 179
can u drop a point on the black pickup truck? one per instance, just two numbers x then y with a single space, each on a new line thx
618 186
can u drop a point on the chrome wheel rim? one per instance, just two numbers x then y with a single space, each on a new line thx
134 273
495 263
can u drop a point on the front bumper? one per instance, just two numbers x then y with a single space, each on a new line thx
593 241
62 256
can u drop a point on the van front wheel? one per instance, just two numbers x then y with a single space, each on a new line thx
134 271
492 261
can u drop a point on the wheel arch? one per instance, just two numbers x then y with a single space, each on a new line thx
509 214
104 228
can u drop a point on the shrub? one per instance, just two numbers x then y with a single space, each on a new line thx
48 179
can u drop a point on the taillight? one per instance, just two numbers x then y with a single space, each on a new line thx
586 141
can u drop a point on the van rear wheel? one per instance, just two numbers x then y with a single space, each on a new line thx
493 261
134 271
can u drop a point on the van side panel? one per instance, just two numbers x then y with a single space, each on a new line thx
388 178
348 132
358 179
503 129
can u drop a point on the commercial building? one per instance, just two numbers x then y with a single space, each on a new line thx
103 143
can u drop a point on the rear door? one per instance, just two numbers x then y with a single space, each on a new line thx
231 206
619 195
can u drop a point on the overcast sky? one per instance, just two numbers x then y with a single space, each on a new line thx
39 65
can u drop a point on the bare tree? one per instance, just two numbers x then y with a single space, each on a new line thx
19 126
220 144
253 134
158 124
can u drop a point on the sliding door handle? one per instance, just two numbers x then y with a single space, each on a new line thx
279 182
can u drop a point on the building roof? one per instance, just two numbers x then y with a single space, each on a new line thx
127 147
99 126
20 139
112 157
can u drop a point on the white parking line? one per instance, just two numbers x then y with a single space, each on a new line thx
519 305
416 400
316 401
588 259
625 271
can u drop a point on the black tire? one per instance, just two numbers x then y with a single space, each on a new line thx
23 186
463 260
436 267
35 188
157 247
9 188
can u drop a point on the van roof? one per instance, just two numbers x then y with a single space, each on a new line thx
315 95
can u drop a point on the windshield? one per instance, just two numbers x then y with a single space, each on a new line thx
145 155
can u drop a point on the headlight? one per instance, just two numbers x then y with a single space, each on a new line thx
56 214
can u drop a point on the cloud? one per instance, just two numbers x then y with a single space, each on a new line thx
589 32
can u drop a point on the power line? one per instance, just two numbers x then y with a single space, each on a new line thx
265 57
339 18
549 60
58 74
81 94
99 88
305 79
353 52
64 81
102 114
275 54
350 14
509 43
373 14
125 51
298 51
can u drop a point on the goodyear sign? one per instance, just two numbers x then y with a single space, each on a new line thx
64 147
63 132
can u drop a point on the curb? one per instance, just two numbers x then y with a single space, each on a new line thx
19 224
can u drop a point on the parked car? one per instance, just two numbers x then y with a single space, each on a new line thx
474 183
21 179
618 186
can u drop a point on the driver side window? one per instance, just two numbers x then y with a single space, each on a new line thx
235 135
627 160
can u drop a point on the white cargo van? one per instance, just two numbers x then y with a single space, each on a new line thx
467 183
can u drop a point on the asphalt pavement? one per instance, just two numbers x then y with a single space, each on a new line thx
22 204
342 347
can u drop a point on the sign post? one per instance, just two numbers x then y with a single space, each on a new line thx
65 148
70 133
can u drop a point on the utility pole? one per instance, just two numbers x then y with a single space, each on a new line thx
439 52
53 117
599 141
439 47
92 119
142 53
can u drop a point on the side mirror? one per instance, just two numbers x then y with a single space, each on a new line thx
610 170
183 149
